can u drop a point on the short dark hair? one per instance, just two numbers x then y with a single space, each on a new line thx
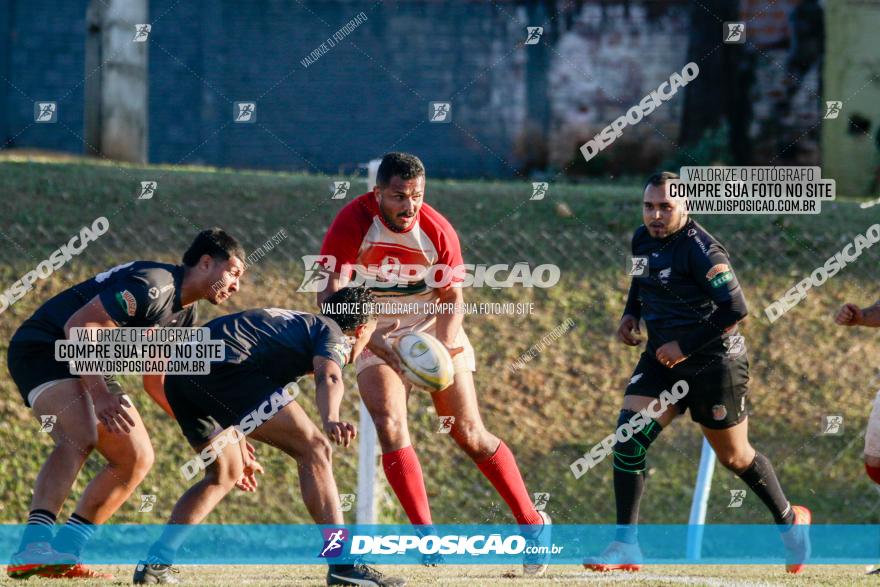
403 165
661 178
350 307
215 242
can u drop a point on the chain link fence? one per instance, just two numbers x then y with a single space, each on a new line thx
564 400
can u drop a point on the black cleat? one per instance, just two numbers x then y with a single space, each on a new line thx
361 574
150 574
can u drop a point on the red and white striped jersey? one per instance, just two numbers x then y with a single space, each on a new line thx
361 241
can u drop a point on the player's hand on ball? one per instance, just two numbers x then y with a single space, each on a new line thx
110 410
380 346
341 433
628 332
849 315
670 354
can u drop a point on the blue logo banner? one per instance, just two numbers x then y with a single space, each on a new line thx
464 544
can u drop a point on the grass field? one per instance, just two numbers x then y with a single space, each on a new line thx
550 412
471 575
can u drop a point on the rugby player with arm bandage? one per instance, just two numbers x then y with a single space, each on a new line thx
691 302
392 239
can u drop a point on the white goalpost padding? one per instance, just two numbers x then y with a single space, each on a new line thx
703 486
368 454
368 449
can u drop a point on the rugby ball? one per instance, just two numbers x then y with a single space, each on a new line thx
424 360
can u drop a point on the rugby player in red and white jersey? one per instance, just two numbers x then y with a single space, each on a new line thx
393 227
852 315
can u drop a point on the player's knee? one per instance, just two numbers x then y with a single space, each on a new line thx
736 460
473 437
224 473
81 442
389 427
635 434
141 462
320 449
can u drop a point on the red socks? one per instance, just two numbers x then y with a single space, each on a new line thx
404 474
873 473
502 471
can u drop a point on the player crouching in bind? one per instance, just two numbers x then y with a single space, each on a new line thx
691 302
266 350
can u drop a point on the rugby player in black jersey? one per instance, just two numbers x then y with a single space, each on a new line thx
248 394
691 302
91 412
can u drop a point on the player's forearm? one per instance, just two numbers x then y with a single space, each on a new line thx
633 306
712 328
329 390
334 284
450 320
95 385
871 316
155 387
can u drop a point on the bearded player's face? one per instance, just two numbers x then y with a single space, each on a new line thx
400 201
661 214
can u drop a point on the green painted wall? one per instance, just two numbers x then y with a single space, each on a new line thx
852 75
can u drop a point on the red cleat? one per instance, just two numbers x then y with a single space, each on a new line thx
77 571
37 558
619 556
797 540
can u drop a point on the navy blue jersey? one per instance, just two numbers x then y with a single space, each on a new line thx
280 343
136 294
689 292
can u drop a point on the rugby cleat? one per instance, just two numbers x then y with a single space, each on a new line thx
797 540
361 574
536 564
77 571
154 574
432 560
39 557
618 556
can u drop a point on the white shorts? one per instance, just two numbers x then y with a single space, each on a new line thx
38 390
872 434
462 362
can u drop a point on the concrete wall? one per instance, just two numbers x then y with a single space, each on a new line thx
852 75
370 92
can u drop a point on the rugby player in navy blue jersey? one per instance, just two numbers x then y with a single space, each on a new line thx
92 412
247 394
691 302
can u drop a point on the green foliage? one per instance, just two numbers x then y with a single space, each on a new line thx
713 148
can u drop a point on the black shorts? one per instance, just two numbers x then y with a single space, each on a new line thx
32 364
718 386
231 395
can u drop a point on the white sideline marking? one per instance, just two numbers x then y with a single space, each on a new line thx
594 577
624 577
